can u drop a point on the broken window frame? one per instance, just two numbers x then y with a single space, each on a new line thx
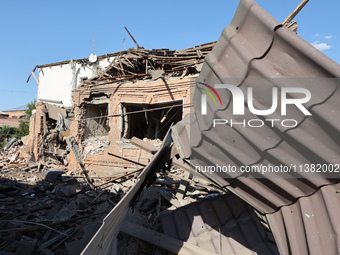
160 119
103 127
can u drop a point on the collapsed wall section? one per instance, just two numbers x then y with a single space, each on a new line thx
49 126
107 115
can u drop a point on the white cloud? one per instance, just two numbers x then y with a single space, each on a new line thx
316 35
321 46
329 37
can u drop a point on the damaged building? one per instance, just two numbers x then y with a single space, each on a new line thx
141 93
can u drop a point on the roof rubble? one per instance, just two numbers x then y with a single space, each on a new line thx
139 63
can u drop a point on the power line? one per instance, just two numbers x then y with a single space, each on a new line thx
14 91
140 111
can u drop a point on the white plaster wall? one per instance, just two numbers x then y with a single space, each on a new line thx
56 82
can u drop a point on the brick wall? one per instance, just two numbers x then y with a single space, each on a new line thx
141 92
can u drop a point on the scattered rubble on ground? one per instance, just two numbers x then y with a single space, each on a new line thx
47 209
44 209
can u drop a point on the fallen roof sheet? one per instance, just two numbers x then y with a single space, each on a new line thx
223 225
256 51
104 241
309 226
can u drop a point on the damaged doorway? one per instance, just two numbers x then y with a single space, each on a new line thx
150 121
96 120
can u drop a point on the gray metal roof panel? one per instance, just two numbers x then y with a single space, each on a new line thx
250 20
219 222
288 61
311 142
310 226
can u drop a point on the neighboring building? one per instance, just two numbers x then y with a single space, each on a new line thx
17 112
4 115
141 93
9 122
4 120
12 116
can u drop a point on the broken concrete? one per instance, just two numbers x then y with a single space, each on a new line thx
37 215
54 111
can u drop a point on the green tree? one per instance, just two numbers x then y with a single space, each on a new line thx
22 130
5 131
30 108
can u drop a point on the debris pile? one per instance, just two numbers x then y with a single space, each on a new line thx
48 136
46 210
13 155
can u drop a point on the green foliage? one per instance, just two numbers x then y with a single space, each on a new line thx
5 131
22 130
9 132
30 108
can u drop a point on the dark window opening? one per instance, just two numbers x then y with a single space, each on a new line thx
96 120
142 121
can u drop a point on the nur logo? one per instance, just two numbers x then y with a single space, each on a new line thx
287 97
204 97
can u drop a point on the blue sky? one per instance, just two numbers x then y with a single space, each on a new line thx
41 32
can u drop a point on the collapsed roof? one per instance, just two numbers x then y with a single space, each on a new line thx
139 63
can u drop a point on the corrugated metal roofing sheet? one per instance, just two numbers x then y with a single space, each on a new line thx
223 224
256 51
311 225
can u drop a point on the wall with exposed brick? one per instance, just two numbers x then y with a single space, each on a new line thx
141 92
37 131
145 92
